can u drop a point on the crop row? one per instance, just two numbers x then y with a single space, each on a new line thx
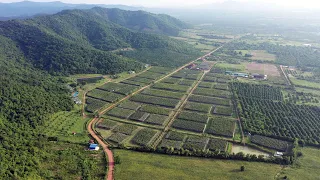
222 110
162 93
94 104
105 95
155 110
188 125
221 126
130 105
155 100
144 137
211 92
171 87
120 113
258 91
117 137
199 107
283 120
191 116
209 100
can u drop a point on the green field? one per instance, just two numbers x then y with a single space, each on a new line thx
64 124
145 166
307 167
304 83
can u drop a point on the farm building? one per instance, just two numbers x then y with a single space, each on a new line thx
236 74
259 76
191 66
204 66
240 75
278 154
94 147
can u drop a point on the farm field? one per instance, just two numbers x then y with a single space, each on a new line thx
306 167
137 165
304 83
113 91
262 55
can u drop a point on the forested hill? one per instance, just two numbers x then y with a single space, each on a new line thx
27 97
143 21
81 41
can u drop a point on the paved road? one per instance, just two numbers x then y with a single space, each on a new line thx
103 144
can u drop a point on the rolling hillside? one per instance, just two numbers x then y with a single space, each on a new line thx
81 41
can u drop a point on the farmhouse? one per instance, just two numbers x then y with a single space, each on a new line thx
94 147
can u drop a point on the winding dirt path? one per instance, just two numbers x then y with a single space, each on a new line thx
106 150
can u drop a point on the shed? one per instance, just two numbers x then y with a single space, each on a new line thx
278 154
94 147
229 72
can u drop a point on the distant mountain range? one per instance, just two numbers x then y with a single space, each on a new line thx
29 8
82 41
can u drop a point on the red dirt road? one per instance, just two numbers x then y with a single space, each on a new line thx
107 151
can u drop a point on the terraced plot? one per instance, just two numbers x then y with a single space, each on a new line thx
144 137
162 93
188 125
221 126
199 107
210 100
165 102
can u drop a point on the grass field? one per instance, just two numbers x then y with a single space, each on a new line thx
63 124
307 167
240 67
145 166
304 83
262 55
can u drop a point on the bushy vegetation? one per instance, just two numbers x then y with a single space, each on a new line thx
155 109
130 105
212 92
258 91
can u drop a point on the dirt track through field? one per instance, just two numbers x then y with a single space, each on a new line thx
104 145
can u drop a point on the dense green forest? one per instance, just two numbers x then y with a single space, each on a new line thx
81 41
27 97
286 55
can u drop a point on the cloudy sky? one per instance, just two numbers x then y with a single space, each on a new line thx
183 3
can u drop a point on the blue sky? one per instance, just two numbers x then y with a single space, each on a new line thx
183 3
